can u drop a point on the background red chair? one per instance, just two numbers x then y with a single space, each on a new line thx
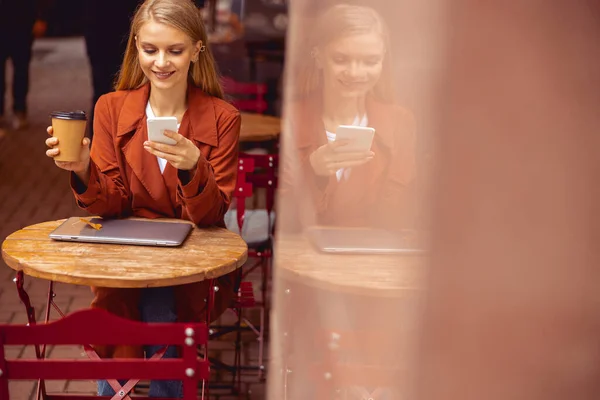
256 226
245 96
102 328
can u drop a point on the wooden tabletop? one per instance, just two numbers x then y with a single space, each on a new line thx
259 128
381 275
206 253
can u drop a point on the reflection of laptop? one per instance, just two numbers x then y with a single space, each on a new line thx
364 241
123 231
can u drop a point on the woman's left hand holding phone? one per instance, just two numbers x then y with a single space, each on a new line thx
183 155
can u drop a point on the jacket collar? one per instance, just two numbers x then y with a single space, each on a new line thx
382 117
202 117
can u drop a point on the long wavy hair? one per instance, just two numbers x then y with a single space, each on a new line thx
336 22
184 16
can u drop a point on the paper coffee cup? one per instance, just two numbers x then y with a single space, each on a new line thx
69 129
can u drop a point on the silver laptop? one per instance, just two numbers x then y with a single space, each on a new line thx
365 241
123 231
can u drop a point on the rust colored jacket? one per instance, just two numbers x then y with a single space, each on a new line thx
379 193
125 180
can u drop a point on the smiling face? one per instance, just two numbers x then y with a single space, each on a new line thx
352 65
165 54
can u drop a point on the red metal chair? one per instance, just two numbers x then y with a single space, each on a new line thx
256 227
102 328
346 365
357 365
246 96
250 97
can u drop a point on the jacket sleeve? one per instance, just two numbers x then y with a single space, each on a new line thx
302 195
206 197
106 194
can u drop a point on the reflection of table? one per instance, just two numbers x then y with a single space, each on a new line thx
379 275
259 128
205 255
351 318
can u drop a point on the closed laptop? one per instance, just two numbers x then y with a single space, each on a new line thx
123 231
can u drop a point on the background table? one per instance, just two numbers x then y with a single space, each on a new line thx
259 128
206 254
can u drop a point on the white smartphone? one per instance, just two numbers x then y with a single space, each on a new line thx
360 138
157 127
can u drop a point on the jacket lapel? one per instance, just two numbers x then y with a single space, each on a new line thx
200 122
132 132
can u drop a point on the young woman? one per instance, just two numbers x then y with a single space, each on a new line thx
167 71
343 77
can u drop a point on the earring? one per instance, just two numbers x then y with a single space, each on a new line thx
202 48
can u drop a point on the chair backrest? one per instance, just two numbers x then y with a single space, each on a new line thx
243 188
102 328
255 171
357 358
246 96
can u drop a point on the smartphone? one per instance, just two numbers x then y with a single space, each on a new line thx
360 138
157 127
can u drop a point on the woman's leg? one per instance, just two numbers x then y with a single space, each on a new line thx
158 305
104 389
123 303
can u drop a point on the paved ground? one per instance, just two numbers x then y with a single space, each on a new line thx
33 190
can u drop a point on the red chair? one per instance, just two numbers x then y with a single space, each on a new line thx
357 364
250 97
100 327
246 96
347 365
256 227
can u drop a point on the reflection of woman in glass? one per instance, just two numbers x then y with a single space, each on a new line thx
346 80
342 76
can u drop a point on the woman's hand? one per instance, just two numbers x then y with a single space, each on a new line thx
326 160
183 155
81 168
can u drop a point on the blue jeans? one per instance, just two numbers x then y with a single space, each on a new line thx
156 305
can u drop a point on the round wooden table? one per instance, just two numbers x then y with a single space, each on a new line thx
205 254
259 128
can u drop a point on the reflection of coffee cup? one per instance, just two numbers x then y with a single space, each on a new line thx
69 129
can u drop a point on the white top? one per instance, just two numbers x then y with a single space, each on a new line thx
162 163
345 172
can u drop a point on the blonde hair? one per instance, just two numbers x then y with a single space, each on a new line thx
184 16
339 21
